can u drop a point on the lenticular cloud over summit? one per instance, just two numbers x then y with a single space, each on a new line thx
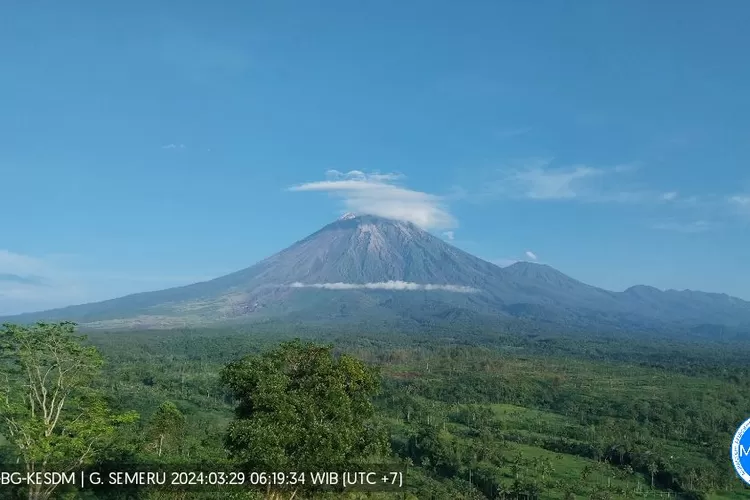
377 194
387 285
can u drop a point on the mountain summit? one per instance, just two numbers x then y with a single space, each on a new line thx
364 267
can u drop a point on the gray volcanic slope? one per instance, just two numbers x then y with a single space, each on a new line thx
368 267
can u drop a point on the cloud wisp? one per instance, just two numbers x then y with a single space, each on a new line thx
32 283
740 202
19 264
387 285
537 180
24 280
531 255
379 194
36 283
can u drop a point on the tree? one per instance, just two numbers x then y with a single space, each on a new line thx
586 472
517 465
653 468
49 412
545 467
300 408
166 423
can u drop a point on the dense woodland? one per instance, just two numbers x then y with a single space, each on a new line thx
469 414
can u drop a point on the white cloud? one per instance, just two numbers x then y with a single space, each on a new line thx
387 285
670 196
15 263
449 235
539 183
740 200
377 194
173 146
531 255
739 204
537 180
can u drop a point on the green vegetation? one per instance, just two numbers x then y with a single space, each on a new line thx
471 415
301 409
50 414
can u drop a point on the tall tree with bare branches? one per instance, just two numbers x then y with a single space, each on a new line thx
49 411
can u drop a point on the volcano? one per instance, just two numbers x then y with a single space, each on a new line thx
361 268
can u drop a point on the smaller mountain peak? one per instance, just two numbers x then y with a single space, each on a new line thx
642 289
536 270
525 264
348 216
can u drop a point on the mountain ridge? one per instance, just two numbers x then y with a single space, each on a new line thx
372 267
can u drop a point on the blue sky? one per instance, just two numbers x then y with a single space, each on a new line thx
151 144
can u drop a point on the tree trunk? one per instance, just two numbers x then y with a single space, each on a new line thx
36 493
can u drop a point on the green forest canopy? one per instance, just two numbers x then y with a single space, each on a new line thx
475 415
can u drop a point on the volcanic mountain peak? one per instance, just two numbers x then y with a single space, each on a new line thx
374 249
371 267
351 219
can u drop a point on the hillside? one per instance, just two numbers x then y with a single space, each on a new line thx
367 268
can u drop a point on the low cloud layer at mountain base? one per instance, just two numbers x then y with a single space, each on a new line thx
387 285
